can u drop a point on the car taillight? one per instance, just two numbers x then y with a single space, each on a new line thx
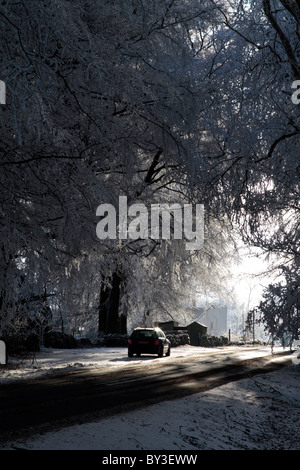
156 342
130 341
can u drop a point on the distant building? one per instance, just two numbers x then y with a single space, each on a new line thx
215 318
195 331
211 321
168 325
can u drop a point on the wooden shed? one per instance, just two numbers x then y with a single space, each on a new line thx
195 331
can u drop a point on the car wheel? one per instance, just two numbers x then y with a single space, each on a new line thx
130 354
168 352
161 352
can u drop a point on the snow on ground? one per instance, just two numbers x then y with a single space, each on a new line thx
49 362
259 413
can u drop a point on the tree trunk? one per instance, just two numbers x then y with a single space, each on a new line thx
123 324
103 307
112 318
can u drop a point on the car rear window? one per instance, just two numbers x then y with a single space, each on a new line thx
144 334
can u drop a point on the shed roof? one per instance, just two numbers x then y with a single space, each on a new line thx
196 323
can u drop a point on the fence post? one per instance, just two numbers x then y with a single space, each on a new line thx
2 92
2 352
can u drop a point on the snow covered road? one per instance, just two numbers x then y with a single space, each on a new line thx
258 413
51 362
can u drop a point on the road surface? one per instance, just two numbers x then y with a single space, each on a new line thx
76 396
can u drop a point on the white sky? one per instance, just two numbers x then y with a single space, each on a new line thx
251 276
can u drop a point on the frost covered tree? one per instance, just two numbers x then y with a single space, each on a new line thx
264 149
279 310
161 101
101 101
